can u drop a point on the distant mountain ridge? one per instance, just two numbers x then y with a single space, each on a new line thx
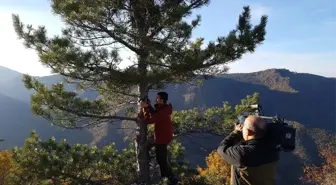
280 79
16 121
7 75
308 99
14 87
305 98
272 78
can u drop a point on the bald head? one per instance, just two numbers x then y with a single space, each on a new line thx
255 124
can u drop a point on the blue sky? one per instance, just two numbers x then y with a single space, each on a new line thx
300 33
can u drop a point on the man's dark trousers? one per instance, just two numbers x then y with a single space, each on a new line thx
162 159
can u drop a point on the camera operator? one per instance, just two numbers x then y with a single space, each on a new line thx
163 130
254 160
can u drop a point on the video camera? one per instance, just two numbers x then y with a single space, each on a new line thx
144 99
279 132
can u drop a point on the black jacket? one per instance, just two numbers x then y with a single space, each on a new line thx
253 162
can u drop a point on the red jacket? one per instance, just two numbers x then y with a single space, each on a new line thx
163 126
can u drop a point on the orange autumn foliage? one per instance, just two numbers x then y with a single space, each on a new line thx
324 174
217 170
6 165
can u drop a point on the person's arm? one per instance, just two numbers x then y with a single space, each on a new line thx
228 149
149 114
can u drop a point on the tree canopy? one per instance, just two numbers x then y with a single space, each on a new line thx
157 33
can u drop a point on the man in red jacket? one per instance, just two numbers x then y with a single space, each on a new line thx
163 130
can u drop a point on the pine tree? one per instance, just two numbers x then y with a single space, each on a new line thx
87 54
57 162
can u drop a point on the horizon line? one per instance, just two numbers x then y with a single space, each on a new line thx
292 71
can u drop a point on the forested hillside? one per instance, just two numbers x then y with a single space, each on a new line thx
305 98
197 131
275 86
297 92
17 120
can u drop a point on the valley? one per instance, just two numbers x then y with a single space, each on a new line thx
307 100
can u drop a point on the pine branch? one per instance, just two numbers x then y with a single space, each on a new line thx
177 17
213 120
78 163
66 109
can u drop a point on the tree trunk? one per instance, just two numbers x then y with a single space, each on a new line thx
142 148
142 152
